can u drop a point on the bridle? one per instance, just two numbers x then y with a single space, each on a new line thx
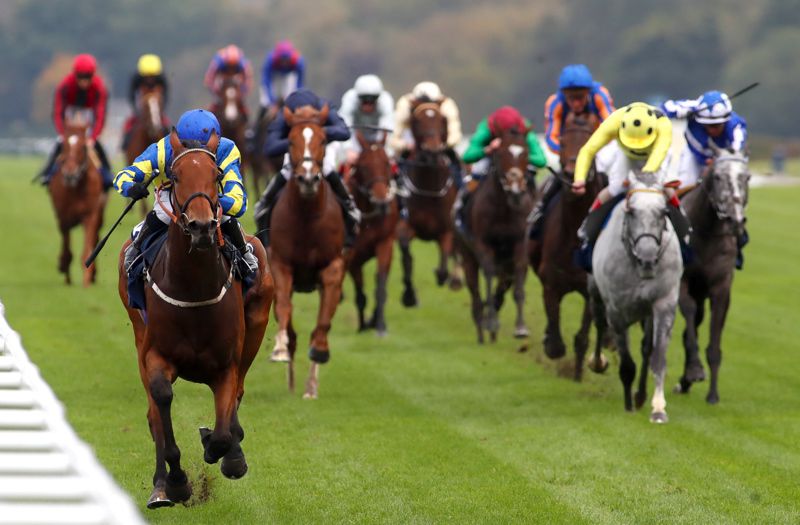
182 220
721 212
365 188
630 244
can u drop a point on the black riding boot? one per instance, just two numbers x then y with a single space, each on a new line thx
352 215
743 239
590 230
233 230
46 173
455 168
151 225
263 209
536 219
105 166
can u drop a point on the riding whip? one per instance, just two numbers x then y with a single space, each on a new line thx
730 97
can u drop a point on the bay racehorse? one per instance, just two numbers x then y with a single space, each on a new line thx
76 190
551 252
373 187
148 125
431 192
198 325
492 240
305 252
231 113
716 209
636 278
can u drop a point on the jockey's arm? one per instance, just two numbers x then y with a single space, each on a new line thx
536 155
739 137
58 111
553 111
678 109
450 111
479 140
661 146
603 102
335 128
100 111
605 133
348 106
386 111
233 199
301 73
142 168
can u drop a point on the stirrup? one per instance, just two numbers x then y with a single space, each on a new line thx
131 254
249 258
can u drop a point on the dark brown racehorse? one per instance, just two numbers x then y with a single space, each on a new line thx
76 189
551 255
428 180
305 252
374 190
716 210
199 326
493 238
231 113
148 127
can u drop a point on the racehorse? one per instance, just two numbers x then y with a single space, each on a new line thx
148 126
637 273
198 325
263 167
428 180
551 253
374 190
492 240
231 113
305 252
716 210
76 189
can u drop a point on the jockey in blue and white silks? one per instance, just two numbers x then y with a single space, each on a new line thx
710 117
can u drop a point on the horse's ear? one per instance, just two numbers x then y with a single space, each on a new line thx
213 142
288 116
362 141
323 114
174 141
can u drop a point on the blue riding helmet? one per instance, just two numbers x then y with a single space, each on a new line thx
575 76
714 107
197 125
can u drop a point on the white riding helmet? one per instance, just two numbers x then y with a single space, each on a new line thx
368 85
714 108
427 90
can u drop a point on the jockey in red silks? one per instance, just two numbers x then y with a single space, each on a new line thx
82 90
229 60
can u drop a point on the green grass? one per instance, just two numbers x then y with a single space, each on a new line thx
426 426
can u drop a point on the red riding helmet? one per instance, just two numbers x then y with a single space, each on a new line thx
231 55
84 64
506 118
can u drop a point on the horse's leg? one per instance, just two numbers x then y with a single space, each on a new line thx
445 249
292 348
627 368
218 443
582 338
319 353
282 274
471 277
383 254
692 367
65 258
457 273
404 236
158 376
554 346
357 273
91 227
647 349
520 273
486 258
663 320
598 362
720 301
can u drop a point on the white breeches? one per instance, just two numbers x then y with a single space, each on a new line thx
618 166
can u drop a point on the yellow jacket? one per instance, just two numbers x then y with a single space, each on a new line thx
609 130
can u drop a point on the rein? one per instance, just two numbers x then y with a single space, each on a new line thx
408 183
630 245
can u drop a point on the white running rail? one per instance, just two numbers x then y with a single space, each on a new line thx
47 474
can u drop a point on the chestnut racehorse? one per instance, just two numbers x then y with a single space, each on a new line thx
551 254
430 185
148 126
492 241
374 191
305 253
76 189
198 327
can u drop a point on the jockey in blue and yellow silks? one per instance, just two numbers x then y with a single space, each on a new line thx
194 128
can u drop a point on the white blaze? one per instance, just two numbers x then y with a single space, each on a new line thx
516 150
230 104
155 114
72 140
307 164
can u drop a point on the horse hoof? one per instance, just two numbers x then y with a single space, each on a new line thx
178 493
235 467
280 355
639 399
493 337
310 395
659 417
319 356
712 398
682 387
409 298
381 332
554 349
521 333
441 277
598 366
158 499
456 284
695 373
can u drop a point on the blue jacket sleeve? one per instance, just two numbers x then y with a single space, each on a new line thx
266 77
336 129
277 142
301 72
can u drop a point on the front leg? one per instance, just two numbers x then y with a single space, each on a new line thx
383 254
692 368
720 301
282 274
486 258
357 273
520 273
404 236
663 320
319 353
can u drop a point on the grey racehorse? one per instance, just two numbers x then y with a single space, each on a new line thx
717 211
637 274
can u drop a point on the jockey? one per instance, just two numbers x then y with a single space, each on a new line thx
643 137
149 74
229 60
277 143
81 90
194 129
366 104
283 72
710 118
577 93
402 141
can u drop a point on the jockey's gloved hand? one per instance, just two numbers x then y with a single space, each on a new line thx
138 190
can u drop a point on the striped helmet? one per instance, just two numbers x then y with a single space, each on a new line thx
714 107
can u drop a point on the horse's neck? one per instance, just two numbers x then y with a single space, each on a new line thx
700 210
200 273
430 173
574 210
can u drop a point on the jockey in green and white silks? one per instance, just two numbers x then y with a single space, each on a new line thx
194 129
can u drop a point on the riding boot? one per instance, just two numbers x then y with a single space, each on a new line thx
263 208
105 166
550 189
233 230
352 215
455 168
47 172
741 241
150 225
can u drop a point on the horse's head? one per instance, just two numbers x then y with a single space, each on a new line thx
644 225
510 165
574 134
428 126
232 95
306 146
74 153
151 104
195 181
727 187
373 173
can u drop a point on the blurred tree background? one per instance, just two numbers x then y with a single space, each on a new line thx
484 54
